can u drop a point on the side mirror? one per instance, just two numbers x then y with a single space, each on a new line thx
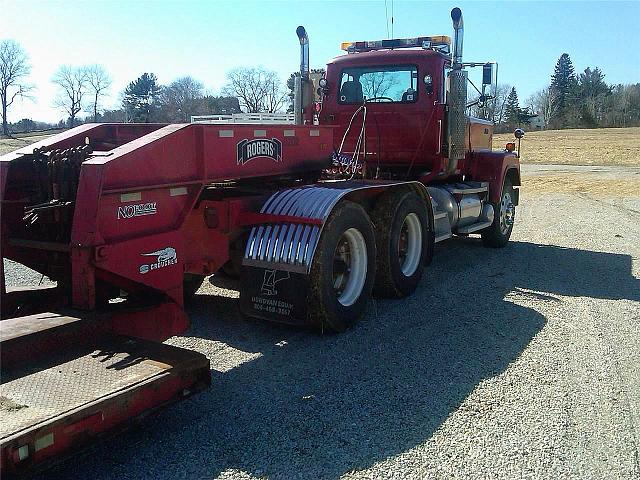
487 74
518 133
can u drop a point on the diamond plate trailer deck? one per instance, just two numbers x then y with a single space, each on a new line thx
53 403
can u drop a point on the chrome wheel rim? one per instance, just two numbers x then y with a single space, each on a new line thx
507 213
349 267
410 245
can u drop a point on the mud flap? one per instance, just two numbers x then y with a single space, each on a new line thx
274 295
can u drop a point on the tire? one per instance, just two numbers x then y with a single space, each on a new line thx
400 220
498 234
191 284
338 299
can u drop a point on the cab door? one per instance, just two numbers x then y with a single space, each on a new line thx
398 110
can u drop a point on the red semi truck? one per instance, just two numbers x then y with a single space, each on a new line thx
315 217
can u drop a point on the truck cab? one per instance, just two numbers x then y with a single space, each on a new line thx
404 91
403 85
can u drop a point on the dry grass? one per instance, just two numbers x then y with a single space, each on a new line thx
10 144
603 146
575 183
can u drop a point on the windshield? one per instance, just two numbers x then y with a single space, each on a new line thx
396 83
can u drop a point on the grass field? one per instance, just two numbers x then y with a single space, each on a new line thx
602 146
10 144
590 184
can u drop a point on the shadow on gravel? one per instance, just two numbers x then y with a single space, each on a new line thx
313 406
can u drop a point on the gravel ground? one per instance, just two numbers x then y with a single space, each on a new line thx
513 363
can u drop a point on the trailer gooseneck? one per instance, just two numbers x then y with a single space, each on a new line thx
317 216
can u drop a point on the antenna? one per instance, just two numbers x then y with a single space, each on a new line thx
392 18
386 17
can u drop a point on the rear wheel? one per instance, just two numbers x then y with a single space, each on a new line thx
343 269
498 234
402 241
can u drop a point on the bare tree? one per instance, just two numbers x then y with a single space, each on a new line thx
257 89
545 103
275 94
497 105
182 98
493 109
376 84
72 86
99 82
14 67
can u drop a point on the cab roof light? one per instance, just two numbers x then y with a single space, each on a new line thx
440 42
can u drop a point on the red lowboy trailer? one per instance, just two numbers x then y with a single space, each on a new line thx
314 217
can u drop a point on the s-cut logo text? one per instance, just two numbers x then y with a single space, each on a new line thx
165 257
250 149
142 209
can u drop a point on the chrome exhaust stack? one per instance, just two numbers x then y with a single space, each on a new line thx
304 52
457 101
301 83
458 29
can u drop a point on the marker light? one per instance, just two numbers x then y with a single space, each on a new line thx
510 147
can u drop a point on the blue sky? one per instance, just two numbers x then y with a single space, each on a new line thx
206 39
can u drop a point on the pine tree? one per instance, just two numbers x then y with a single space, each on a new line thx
563 83
592 92
514 115
512 109
140 98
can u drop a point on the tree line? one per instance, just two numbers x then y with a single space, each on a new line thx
83 90
570 100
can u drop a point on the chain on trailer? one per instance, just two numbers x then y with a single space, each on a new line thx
57 173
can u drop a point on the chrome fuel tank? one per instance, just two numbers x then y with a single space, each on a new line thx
466 211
